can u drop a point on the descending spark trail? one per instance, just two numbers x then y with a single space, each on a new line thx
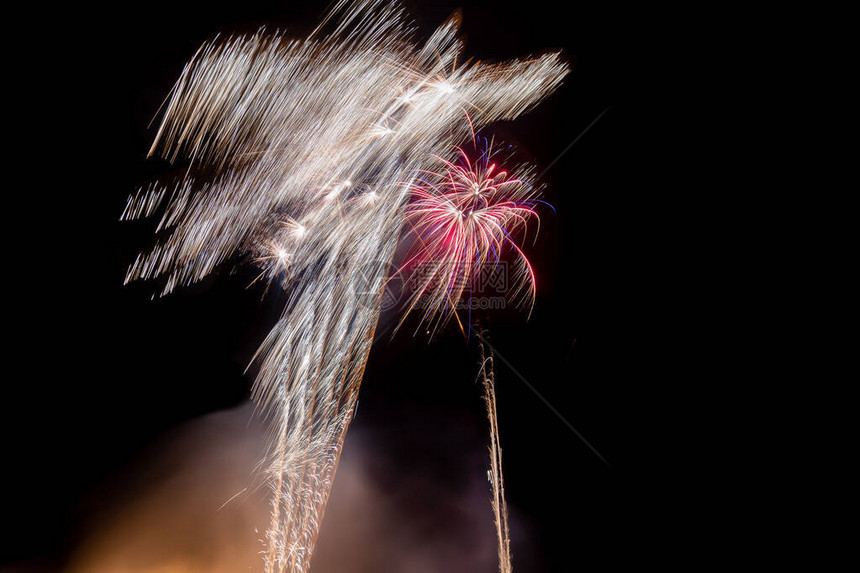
308 151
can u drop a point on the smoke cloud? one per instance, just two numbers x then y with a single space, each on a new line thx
201 509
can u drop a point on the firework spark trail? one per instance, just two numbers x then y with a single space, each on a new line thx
495 475
306 151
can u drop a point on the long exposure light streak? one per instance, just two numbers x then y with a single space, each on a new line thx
301 156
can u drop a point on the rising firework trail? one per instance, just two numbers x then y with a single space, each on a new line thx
302 157
494 474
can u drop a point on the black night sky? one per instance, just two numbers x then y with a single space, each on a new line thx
102 374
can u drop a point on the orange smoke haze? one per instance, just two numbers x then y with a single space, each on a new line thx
183 520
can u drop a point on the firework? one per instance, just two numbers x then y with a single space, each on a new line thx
465 218
305 154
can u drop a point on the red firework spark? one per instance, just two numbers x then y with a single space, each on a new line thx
466 217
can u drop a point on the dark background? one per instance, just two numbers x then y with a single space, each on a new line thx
97 371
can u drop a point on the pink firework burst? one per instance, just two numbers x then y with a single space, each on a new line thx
468 219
